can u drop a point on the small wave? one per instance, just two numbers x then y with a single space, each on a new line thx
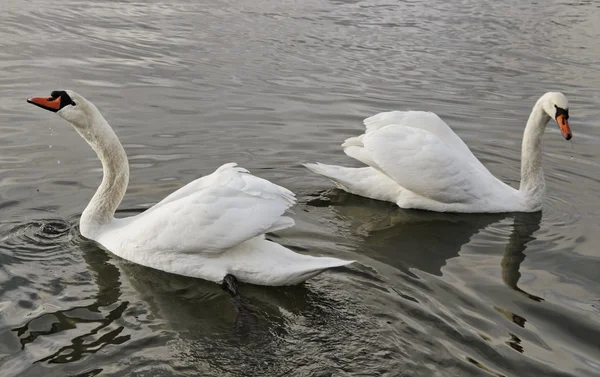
38 240
560 212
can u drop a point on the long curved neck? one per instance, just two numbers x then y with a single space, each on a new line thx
533 185
107 198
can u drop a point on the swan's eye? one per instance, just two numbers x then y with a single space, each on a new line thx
561 111
66 99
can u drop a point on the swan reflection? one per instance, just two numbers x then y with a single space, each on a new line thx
193 318
427 240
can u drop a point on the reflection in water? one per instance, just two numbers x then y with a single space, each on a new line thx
212 331
106 277
515 318
525 225
404 238
208 307
515 343
222 337
382 231
426 240
216 336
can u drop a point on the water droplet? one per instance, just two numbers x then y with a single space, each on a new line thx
572 149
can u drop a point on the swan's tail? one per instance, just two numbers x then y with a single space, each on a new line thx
337 174
313 267
366 181
259 261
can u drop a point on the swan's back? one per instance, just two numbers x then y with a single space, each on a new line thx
433 166
424 120
209 215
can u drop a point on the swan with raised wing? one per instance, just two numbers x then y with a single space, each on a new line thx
416 161
213 228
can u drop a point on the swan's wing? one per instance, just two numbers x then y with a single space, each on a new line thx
424 120
421 162
214 214
197 185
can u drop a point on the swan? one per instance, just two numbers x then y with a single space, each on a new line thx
416 161
212 228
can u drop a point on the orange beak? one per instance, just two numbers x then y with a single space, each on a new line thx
563 123
48 103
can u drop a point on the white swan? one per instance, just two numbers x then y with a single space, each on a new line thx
211 228
416 161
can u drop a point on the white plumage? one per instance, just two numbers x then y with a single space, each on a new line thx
211 227
415 160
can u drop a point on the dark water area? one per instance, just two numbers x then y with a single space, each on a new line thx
190 85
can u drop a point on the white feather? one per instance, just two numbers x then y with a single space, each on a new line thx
209 228
416 161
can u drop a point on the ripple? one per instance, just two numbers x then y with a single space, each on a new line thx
559 212
41 240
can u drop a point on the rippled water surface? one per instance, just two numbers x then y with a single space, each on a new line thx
190 85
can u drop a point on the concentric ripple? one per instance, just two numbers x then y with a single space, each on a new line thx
41 240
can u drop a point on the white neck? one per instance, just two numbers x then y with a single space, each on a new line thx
107 198
533 186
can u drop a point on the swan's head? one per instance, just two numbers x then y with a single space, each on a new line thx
556 105
68 105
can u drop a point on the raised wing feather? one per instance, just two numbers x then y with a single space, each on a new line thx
424 120
197 184
421 162
213 214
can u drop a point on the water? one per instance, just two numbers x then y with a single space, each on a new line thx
190 85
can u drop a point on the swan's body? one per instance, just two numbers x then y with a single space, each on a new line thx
416 161
212 227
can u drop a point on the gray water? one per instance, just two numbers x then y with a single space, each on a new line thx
190 85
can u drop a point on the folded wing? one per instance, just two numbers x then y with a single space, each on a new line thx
213 213
423 120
